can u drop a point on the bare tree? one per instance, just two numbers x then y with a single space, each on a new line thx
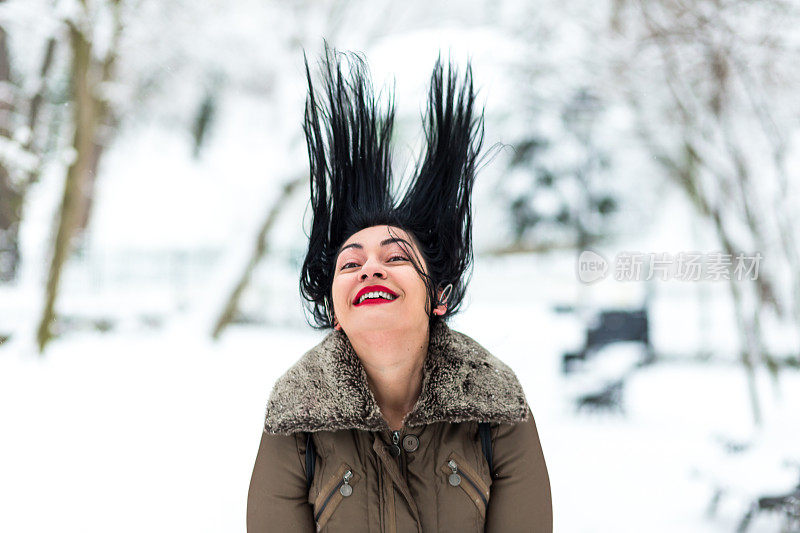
10 197
90 113
711 86
23 132
335 17
260 250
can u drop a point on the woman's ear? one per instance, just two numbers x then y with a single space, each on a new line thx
441 308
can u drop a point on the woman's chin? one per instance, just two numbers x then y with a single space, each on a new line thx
375 321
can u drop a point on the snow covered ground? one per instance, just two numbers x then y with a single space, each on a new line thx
157 429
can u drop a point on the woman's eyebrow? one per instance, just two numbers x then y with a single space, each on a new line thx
383 243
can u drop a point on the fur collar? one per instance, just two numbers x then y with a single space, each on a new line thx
326 390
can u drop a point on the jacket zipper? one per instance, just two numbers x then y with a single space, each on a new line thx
454 467
396 442
344 481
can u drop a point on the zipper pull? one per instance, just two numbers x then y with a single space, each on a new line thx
454 479
346 490
395 448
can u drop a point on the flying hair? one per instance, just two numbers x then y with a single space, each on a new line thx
348 133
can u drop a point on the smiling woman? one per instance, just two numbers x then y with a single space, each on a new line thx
394 422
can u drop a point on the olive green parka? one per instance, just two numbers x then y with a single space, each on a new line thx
368 478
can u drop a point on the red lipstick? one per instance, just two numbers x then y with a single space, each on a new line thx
373 288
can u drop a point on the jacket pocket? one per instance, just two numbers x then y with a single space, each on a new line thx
460 475
339 487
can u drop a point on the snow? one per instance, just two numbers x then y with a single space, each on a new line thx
135 432
157 430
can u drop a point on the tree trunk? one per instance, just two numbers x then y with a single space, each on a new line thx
752 347
90 111
10 196
84 117
259 251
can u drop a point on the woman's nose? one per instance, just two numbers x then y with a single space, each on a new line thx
373 268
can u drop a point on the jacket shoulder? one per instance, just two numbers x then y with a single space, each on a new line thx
465 382
324 390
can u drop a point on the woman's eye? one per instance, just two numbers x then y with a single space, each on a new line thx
400 257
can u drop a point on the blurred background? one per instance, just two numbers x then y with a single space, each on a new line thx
153 220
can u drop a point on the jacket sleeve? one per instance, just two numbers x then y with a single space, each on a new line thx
520 499
278 497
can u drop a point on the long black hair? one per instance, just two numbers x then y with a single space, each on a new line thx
348 137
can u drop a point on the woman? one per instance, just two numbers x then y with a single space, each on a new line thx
394 422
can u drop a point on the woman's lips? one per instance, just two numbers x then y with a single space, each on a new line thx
375 301
373 288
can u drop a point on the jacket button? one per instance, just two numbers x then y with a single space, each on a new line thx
410 443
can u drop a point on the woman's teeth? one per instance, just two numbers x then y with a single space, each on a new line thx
377 294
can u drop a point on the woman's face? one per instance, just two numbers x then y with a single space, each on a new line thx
371 261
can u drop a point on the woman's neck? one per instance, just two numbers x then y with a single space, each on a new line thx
393 361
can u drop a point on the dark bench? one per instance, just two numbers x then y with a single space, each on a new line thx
613 325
